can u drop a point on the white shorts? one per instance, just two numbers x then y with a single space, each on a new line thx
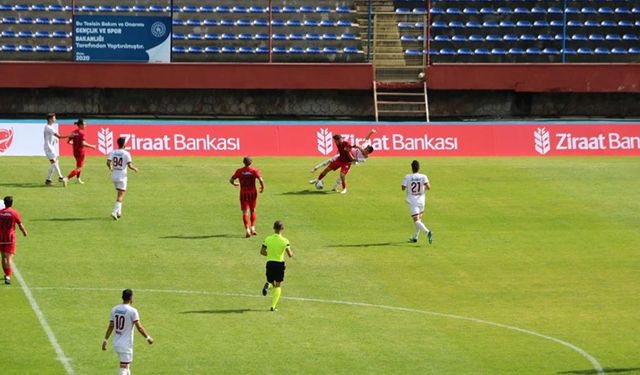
120 184
416 208
125 357
51 155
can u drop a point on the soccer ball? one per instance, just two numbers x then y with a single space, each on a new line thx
319 185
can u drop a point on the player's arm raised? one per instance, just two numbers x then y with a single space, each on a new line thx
371 132
144 333
107 335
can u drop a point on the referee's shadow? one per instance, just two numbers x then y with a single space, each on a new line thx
223 311
202 237
306 192
378 244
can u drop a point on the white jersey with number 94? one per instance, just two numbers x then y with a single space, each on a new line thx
414 184
120 159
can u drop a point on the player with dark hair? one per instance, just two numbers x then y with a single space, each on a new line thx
416 184
122 319
51 137
247 176
118 162
77 139
8 220
274 247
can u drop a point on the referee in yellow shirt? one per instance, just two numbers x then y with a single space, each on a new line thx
274 247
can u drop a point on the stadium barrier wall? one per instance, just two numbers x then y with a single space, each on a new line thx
315 139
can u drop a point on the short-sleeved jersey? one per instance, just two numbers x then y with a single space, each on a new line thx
123 317
358 155
120 160
50 140
247 177
8 220
414 184
344 148
276 246
77 136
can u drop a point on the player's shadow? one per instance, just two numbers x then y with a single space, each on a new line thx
305 192
202 237
63 219
25 185
221 311
368 244
606 371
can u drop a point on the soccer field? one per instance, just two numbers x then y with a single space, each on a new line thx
533 269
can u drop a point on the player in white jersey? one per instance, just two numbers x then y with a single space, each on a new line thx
119 161
416 185
51 137
122 320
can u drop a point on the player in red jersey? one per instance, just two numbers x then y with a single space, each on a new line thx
248 193
8 220
344 160
76 138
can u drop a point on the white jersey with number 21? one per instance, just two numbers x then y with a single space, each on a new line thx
123 318
414 184
119 161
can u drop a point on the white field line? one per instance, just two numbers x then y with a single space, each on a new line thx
43 322
594 362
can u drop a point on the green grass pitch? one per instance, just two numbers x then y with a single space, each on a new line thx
534 269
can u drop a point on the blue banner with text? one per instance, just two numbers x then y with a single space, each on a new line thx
122 39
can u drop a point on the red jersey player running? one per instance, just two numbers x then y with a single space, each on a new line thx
248 193
76 138
8 220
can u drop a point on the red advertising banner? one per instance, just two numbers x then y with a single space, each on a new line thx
544 139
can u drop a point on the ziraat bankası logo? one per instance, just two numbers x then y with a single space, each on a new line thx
6 138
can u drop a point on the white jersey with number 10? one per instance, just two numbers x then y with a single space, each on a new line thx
123 317
120 159
415 183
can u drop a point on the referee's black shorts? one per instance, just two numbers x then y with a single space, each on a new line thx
275 271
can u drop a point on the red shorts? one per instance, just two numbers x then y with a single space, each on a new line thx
8 248
79 160
344 166
248 201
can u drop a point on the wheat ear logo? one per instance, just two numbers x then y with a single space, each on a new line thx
325 146
105 141
543 144
6 138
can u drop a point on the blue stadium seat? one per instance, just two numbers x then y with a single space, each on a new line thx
619 51
296 36
473 25
329 50
605 10
556 23
348 36
481 52
442 38
403 10
9 48
43 48
26 21
42 21
408 38
279 36
279 50
419 11
572 10
634 50
261 36
493 38
261 22
447 52
487 11
210 22
239 9
533 51
456 25
173 9
323 9
434 25
60 34
195 49
588 10
506 24
88 8
528 37
351 50
329 36
229 49
262 50
157 9
579 37
574 23
178 36
207 9
6 8
498 51
545 37
437 11
538 10
178 49
312 36
555 10
568 51
25 34
38 8
521 10
243 23
9 20
25 48
538 23
105 9
511 38
245 50
119 8
245 36
490 24
295 50
193 22
8 34
464 51
178 22
622 10
344 9
621 23
306 9
516 51
189 9
596 37
632 37
227 22
211 49
275 9
313 50
584 51
561 37
139 8
329 23
527 23
310 23
476 38
289 9
228 36
459 38
22 8
257 9
293 23
223 9
42 34
550 51
61 48
504 10
195 36
591 23
211 36
602 51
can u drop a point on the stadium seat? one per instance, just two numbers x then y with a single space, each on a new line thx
504 11
605 10
9 48
295 50
351 50
207 9
245 50
157 9
289 9
189 9
533 51
195 49
26 21
447 52
538 10
348 36
493 38
243 23
88 8
261 36
25 48
329 50
579 37
545 37
591 23
459 38
511 38
21 8
42 34
279 50
516 51
227 22
634 50
178 49
476 38
60 35
442 38
8 34
408 38
585 51
330 36
521 10
473 25
223 9
257 9
413 52
229 49
602 51
550 51
9 20
588 10
471 11
490 24
296 36
622 10
555 10
621 23
632 37
43 48
527 24
195 36
306 9
310 23
344 9
419 10
211 49
279 36
556 23
464 51
596 37
568 51
619 51
121 8
193 22
178 22
211 36
403 10
481 52
262 50
139 8
42 21
293 23
178 36
487 10
239 9
105 8
210 22
528 37
62 48
228 36
261 22
329 23
312 36
498 51
313 50
6 8
574 23
38 8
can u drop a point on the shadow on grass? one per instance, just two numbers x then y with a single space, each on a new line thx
306 192
222 311
369 244
26 185
101 218
203 237
606 370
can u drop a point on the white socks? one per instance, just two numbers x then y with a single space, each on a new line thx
54 167
420 227
117 208
124 371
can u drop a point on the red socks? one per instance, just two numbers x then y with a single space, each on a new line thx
8 271
245 220
253 219
73 173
